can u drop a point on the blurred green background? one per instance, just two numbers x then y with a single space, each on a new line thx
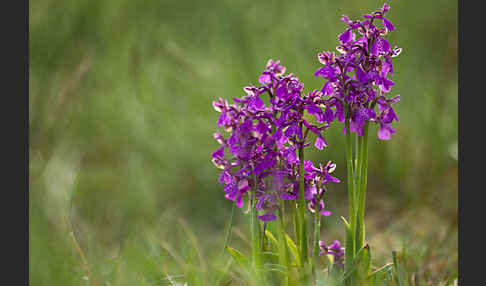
121 124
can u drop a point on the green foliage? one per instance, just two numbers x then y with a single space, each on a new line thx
238 256
294 250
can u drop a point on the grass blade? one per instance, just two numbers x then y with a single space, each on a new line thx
294 250
241 259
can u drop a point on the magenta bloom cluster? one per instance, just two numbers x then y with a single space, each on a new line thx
260 135
358 78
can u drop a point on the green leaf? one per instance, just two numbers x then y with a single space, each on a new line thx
270 254
349 246
380 272
358 232
364 264
237 256
400 280
270 236
276 268
294 250
354 264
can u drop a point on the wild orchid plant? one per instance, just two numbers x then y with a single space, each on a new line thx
266 133
266 160
357 81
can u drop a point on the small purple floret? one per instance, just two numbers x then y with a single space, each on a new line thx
335 249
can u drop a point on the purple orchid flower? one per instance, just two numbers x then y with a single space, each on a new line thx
257 151
360 75
335 249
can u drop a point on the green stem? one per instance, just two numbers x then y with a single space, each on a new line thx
350 248
359 166
284 257
302 220
295 214
351 185
228 230
363 160
263 246
317 234
255 232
